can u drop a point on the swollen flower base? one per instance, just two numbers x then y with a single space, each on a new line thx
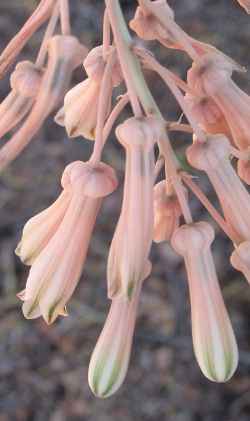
55 242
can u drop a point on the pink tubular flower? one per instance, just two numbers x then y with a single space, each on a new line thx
58 247
65 53
127 262
110 358
213 338
213 157
212 77
167 211
25 83
208 114
79 113
147 26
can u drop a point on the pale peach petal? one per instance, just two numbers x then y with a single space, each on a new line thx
39 229
133 237
109 361
167 212
213 338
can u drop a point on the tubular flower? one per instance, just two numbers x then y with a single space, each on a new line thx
212 157
213 338
79 113
147 26
134 232
167 211
25 83
58 248
64 54
208 114
212 77
110 358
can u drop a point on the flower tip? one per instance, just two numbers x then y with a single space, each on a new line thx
220 370
104 382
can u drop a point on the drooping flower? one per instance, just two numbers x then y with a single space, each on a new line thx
147 26
65 53
213 338
211 76
213 157
208 114
79 113
61 235
128 256
110 358
25 82
167 211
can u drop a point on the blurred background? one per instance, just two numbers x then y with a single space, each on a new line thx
43 370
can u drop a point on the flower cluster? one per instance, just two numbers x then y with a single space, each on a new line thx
55 242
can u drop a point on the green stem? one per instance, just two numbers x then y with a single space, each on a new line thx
138 89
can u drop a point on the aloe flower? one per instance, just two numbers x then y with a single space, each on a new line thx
25 83
65 53
211 76
56 241
208 114
213 157
110 358
128 256
167 211
79 113
147 26
80 109
213 338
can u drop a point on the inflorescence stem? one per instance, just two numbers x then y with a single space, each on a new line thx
139 91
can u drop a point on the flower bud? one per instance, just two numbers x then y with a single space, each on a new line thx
26 79
213 338
110 358
208 114
167 212
79 114
94 65
147 26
